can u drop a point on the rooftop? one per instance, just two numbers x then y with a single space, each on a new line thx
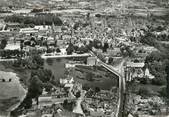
135 65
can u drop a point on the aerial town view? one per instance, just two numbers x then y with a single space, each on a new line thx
84 58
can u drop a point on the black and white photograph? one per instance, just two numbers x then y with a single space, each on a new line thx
84 58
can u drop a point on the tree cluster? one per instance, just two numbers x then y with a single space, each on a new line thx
156 64
47 19
11 53
3 43
79 50
149 39
69 105
32 62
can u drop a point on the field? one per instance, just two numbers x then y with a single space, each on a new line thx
95 76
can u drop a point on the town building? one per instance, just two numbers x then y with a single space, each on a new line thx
91 61
134 70
66 80
28 31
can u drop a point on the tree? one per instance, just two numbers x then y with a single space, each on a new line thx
97 44
68 105
154 56
129 51
35 87
156 64
149 39
27 102
97 89
90 45
3 43
48 86
86 87
70 49
36 60
105 47
58 50
89 76
82 49
78 94
44 75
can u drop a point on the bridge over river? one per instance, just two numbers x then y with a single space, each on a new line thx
120 74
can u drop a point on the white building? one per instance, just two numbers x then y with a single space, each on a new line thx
28 31
66 81
91 61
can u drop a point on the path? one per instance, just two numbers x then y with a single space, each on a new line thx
78 108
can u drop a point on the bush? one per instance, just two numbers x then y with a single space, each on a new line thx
97 89
58 50
143 91
68 105
78 94
85 87
163 92
144 81
70 49
158 81
89 76
3 43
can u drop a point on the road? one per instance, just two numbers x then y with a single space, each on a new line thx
119 71
120 74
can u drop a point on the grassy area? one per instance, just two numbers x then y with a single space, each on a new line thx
23 74
95 76
153 89
5 104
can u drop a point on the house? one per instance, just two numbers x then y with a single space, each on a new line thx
135 65
57 29
45 100
15 46
91 61
148 74
137 70
47 115
60 42
66 81
68 85
42 29
28 31
134 70
96 113
130 115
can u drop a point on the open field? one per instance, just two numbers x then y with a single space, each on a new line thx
95 76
